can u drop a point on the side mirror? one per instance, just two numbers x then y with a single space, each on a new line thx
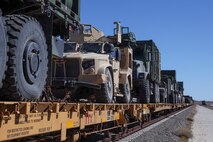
117 54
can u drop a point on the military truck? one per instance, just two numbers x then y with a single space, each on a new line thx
170 90
141 84
147 56
188 99
102 66
27 29
169 77
163 92
180 89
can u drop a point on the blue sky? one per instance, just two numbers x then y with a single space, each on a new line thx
182 30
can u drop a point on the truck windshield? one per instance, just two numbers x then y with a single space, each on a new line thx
70 47
92 47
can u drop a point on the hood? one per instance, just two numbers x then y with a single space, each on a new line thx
86 55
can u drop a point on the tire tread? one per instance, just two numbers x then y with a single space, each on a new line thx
13 23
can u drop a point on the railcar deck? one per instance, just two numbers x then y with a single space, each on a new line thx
26 119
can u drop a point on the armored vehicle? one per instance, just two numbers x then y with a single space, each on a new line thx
101 70
89 71
28 29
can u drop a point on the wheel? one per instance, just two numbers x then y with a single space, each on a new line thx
162 95
105 95
74 136
144 91
125 90
27 63
157 93
3 50
172 98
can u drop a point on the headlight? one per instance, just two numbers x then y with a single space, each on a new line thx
90 70
88 63
141 76
88 66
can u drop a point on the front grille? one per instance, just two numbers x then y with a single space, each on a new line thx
73 68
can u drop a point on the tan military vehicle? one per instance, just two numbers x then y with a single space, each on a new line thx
101 70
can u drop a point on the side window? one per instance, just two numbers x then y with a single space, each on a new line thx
108 48
87 30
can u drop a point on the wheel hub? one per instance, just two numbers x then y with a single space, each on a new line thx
31 62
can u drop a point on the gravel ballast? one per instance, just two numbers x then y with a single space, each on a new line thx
164 131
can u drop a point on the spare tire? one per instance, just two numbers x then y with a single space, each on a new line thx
3 50
27 63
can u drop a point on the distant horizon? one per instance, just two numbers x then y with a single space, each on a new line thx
182 30
203 100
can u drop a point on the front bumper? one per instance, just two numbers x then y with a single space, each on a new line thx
90 81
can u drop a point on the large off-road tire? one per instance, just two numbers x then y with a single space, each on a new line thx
144 91
125 90
105 95
3 50
162 96
157 93
155 98
27 64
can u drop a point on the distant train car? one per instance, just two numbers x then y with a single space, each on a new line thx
203 102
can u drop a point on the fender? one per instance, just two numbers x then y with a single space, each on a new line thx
102 69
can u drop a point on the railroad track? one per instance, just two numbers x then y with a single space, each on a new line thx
130 129
207 106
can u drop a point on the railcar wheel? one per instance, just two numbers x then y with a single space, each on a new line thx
3 50
27 63
74 136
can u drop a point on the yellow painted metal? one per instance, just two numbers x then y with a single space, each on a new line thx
69 124
104 119
18 120
117 117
